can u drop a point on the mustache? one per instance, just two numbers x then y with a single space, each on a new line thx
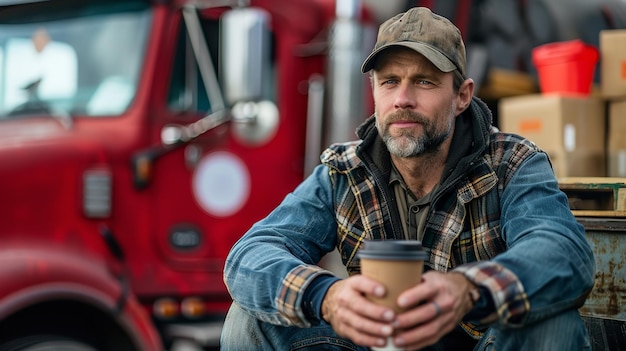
406 116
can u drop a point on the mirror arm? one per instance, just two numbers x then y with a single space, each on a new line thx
173 134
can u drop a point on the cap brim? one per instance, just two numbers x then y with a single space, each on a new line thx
441 61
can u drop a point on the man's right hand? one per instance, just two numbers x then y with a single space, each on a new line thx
353 316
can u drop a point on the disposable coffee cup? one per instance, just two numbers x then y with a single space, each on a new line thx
396 264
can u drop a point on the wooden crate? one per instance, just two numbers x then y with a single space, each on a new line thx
596 196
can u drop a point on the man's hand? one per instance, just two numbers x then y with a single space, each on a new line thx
435 307
352 316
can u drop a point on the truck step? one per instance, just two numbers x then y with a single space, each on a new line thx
595 196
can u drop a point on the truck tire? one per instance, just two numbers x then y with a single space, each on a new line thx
45 343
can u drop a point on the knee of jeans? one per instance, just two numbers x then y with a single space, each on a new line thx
241 331
563 332
319 337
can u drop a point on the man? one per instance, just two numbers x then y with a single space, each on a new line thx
509 265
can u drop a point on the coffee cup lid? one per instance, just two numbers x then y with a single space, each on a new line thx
393 250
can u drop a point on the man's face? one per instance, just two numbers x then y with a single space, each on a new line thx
415 103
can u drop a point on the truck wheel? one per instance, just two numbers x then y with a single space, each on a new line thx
45 343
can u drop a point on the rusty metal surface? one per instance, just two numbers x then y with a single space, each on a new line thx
607 237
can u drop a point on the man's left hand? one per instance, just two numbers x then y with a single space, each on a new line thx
434 308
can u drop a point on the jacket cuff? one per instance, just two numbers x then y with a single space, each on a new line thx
502 294
290 301
314 295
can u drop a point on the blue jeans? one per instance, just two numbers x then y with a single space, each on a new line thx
563 332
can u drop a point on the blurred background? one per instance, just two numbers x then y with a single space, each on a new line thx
500 35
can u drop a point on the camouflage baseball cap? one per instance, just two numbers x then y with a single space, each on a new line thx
431 35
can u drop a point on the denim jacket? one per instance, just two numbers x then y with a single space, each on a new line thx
498 217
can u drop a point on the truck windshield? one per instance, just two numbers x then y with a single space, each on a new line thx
71 57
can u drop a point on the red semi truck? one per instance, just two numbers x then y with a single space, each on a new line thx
139 139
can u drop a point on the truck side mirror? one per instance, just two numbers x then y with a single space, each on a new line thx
246 74
245 54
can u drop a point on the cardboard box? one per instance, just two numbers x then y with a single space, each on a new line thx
613 63
570 129
616 144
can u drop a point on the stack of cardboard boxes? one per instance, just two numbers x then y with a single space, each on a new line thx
584 135
613 80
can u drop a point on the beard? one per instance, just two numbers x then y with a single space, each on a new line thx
406 144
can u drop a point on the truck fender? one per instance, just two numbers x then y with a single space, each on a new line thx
69 281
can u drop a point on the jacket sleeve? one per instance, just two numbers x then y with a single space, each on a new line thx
268 269
548 266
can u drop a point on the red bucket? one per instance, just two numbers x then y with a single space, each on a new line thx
565 68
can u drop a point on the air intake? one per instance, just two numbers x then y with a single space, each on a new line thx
97 193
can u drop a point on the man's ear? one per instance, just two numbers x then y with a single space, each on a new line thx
466 92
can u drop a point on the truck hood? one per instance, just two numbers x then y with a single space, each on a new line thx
44 139
18 132
41 175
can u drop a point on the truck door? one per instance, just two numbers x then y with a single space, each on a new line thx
207 188
188 243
